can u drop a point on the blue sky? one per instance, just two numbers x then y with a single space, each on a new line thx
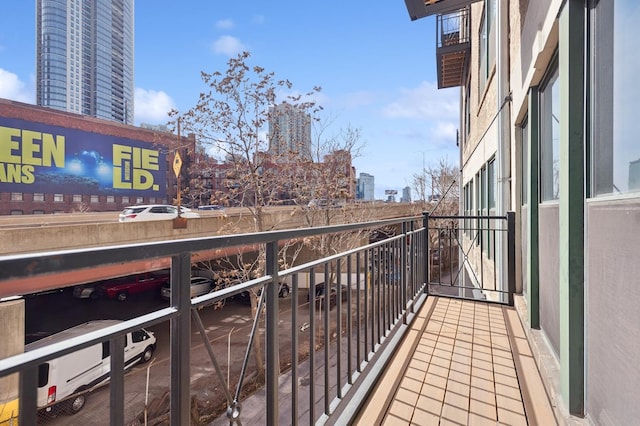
376 68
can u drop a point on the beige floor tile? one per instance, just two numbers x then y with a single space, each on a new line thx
483 395
511 418
407 396
454 415
429 405
433 391
424 418
411 384
400 411
460 389
483 409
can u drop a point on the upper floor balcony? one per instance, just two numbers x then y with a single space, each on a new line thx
415 328
454 47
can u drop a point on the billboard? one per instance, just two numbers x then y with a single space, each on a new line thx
42 158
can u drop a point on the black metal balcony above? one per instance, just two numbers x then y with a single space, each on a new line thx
420 8
454 47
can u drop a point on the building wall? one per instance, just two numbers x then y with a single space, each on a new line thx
613 317
586 311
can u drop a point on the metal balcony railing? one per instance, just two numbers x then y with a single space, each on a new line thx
369 295
453 47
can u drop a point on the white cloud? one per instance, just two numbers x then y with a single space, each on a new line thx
152 107
11 87
425 102
227 45
225 24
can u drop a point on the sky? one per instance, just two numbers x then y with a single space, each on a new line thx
376 68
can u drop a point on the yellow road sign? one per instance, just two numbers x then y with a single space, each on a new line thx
177 164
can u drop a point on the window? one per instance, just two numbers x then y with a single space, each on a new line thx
139 200
16 196
491 184
38 196
77 198
125 200
95 198
550 136
16 213
111 199
152 200
614 148
58 198
524 163
487 39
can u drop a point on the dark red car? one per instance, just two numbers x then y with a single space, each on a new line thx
120 288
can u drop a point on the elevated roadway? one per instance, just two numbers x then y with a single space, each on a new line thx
43 233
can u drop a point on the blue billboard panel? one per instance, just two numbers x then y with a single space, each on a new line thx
41 158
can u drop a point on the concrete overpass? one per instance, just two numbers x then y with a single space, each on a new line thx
21 234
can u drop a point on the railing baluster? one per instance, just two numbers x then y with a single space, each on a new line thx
116 385
295 353
180 339
312 346
271 324
27 410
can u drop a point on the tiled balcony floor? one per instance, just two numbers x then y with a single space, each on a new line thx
461 363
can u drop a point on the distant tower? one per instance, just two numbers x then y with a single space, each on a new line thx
289 131
366 187
406 195
84 57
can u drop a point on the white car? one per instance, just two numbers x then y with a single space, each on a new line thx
199 286
155 212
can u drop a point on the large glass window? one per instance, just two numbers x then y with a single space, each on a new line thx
615 151
550 136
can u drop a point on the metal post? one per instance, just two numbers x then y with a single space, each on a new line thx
272 361
27 411
180 339
116 385
511 254
426 244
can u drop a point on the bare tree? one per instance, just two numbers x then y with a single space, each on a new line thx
229 120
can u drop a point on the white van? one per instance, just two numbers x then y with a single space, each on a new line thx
67 380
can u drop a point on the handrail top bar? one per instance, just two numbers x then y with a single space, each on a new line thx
35 357
467 217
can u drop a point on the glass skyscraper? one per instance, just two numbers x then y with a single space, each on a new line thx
84 57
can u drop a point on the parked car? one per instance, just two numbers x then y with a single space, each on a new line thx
155 212
212 207
120 288
319 295
283 292
66 381
198 287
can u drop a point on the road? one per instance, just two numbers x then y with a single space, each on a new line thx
50 313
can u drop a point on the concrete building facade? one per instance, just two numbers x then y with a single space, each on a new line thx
548 130
85 57
289 131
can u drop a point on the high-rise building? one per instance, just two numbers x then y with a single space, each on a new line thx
84 57
289 131
366 187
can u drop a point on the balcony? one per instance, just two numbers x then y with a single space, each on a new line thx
454 47
397 347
